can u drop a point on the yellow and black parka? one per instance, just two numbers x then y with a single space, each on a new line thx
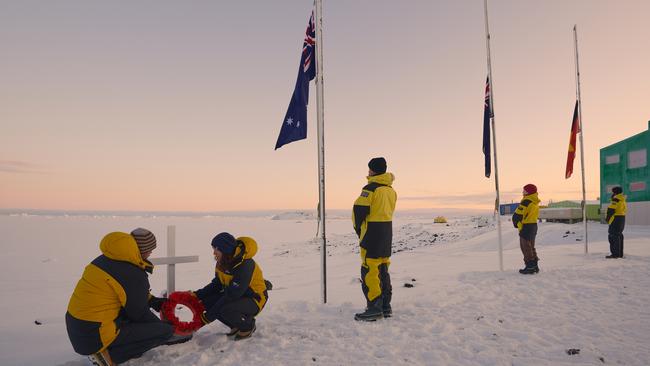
372 215
113 288
616 208
526 216
245 279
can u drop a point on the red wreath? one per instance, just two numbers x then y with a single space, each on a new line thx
168 312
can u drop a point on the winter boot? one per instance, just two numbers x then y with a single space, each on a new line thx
374 311
387 310
529 269
233 332
178 338
535 267
243 334
101 359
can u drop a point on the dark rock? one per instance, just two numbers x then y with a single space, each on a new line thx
409 285
573 351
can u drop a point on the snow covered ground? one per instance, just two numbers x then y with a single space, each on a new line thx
461 310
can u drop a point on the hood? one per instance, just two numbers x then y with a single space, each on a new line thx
533 197
385 179
621 197
250 247
122 247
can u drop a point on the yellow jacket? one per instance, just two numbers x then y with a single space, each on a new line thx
372 215
527 212
114 283
245 279
617 207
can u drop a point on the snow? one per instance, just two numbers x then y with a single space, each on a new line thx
461 309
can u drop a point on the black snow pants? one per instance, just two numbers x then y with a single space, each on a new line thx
136 338
615 236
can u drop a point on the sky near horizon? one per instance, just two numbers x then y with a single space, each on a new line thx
166 105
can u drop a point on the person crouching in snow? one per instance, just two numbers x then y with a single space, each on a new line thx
525 219
238 291
108 317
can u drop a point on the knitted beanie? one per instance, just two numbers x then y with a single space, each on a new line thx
145 239
617 190
377 165
225 242
530 188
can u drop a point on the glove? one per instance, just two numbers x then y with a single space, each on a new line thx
156 303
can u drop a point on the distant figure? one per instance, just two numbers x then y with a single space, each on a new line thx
525 219
238 291
616 220
372 218
108 316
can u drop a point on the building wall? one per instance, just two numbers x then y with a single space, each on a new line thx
626 164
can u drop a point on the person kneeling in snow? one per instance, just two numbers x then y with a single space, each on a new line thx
238 291
108 317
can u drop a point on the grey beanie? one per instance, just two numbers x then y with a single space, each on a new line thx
145 239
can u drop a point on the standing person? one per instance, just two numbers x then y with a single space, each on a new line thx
108 317
372 219
238 291
525 219
616 220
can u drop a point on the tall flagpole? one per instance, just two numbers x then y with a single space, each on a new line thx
321 143
582 149
494 137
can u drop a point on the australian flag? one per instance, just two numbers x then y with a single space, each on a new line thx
294 126
487 114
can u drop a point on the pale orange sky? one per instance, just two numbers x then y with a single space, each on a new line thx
176 106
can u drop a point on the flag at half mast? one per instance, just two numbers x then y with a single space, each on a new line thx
294 125
487 115
575 129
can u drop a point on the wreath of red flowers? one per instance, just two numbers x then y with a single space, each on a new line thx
168 311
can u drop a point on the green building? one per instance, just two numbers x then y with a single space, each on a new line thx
625 164
593 207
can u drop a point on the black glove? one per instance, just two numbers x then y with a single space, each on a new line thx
156 303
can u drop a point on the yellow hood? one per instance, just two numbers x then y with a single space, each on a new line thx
122 247
532 197
250 247
386 179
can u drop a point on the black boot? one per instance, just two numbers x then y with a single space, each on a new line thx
387 310
530 268
373 312
535 267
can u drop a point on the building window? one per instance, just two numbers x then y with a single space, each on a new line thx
609 187
612 159
637 186
637 159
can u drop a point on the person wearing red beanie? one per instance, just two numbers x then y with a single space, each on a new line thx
525 220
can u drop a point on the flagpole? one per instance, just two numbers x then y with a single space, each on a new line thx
494 137
321 142
582 151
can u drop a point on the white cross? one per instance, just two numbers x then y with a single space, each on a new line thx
171 260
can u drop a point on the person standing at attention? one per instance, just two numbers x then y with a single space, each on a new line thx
372 218
616 220
525 220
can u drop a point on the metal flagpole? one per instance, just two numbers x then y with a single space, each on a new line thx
582 149
321 142
494 138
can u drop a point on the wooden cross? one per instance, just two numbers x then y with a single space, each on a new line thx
171 260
